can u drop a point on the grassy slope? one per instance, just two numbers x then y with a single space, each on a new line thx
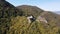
53 19
20 25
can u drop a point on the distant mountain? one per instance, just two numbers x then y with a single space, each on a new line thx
58 12
30 10
35 11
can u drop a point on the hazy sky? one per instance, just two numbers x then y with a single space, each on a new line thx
51 5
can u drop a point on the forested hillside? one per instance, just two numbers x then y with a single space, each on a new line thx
14 20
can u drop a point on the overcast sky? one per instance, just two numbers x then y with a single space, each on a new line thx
48 5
